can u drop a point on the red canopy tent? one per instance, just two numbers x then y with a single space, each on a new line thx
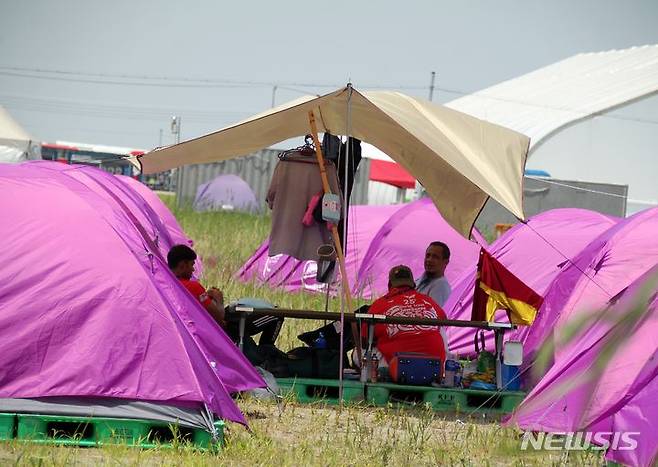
390 173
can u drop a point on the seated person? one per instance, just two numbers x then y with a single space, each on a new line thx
402 300
181 260
433 281
269 326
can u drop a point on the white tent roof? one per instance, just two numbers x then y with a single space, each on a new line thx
542 102
9 129
15 142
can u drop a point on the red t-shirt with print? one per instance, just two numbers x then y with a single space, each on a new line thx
197 290
393 338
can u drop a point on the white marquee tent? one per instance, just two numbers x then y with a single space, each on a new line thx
15 143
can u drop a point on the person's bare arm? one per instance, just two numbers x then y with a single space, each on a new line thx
216 312
216 307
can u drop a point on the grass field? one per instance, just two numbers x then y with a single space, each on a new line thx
296 435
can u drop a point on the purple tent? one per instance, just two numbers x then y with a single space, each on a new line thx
598 274
535 252
403 239
622 400
160 208
92 319
379 237
172 234
292 275
226 192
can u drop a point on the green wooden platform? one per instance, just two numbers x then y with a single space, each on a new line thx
310 390
84 431
444 399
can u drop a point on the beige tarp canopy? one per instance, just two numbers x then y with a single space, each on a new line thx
460 160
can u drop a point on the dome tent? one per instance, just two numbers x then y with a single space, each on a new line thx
597 275
607 381
92 319
549 239
176 234
225 192
379 237
169 232
292 274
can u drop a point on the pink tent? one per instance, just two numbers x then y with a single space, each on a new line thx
92 320
379 238
576 396
176 234
535 252
292 274
598 274
168 233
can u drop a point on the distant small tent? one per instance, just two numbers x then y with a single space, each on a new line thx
226 193
92 321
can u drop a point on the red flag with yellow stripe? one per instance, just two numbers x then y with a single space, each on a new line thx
497 288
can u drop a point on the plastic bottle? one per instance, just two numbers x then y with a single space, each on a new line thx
374 368
320 342
365 363
459 375
451 369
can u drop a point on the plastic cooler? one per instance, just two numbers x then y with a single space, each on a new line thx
511 377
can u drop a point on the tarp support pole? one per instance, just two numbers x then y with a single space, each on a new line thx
335 236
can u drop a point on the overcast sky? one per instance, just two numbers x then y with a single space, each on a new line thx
241 49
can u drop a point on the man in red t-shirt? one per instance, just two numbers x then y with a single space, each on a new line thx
402 300
181 260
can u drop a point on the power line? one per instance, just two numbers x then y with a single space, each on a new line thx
114 111
168 81
126 83
200 83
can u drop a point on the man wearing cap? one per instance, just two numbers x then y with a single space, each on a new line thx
402 300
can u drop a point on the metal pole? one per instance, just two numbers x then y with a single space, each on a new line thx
348 153
274 94
175 129
432 85
498 338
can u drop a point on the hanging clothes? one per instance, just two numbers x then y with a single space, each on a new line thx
335 151
295 181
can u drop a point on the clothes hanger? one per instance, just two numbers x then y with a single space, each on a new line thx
301 153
